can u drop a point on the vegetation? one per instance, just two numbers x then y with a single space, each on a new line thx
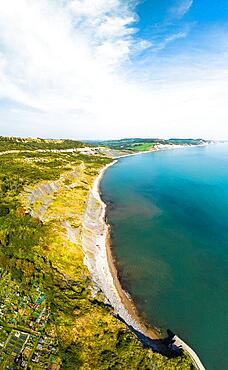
13 143
138 147
49 291
141 145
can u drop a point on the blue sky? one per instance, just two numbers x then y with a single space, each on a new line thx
114 68
176 14
197 26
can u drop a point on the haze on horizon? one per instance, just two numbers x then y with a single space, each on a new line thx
99 69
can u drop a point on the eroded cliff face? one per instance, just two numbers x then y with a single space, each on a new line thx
40 197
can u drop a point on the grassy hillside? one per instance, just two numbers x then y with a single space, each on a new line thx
13 143
50 315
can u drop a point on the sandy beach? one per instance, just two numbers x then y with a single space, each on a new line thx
98 258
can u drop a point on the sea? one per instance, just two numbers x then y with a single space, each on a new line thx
168 212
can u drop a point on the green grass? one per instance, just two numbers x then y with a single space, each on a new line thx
141 147
13 143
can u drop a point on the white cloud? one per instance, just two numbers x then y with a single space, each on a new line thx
68 64
54 58
169 39
95 8
181 8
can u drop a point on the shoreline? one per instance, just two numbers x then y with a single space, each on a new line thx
151 332
100 262
161 148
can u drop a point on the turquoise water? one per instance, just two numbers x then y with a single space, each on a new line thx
169 216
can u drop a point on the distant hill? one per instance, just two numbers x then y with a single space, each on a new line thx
140 144
15 143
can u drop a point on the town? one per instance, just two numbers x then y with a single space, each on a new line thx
26 338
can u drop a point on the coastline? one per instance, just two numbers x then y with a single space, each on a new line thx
99 260
125 298
159 148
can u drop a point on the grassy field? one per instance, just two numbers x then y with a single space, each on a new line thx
142 147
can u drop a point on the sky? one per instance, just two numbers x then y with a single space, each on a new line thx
103 69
